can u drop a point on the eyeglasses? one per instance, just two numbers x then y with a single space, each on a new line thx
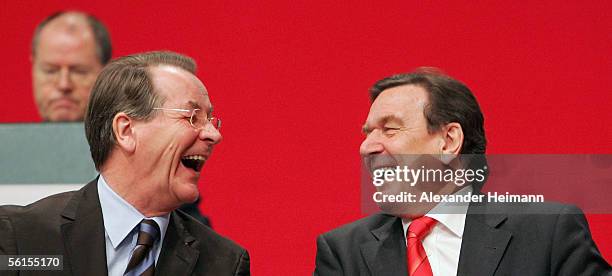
52 74
197 119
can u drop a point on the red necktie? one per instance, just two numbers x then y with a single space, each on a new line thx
418 265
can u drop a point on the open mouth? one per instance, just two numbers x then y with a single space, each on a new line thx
380 162
194 162
384 168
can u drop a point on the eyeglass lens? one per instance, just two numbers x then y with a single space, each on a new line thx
199 118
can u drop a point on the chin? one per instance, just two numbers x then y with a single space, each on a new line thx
64 117
187 193
403 210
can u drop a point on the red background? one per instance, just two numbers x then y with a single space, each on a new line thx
290 80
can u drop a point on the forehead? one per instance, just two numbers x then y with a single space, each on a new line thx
404 102
68 34
180 88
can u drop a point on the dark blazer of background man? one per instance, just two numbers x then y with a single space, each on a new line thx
426 112
69 49
149 146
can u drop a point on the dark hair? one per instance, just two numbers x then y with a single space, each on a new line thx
449 101
125 85
104 48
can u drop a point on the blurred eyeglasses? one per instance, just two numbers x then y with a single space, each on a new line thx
78 75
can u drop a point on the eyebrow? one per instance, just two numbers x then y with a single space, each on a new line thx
71 66
195 105
390 118
382 121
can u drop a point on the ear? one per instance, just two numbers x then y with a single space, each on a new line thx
123 129
452 141
453 138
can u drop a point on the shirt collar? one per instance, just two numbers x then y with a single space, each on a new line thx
454 220
120 217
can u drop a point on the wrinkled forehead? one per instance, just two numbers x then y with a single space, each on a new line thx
180 88
405 103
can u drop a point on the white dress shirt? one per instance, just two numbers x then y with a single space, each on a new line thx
443 244
120 221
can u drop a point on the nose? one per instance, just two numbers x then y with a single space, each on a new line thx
371 145
64 83
210 134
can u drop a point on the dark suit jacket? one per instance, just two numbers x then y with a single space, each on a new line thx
70 224
192 210
533 239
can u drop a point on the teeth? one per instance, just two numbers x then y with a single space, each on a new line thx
385 168
194 162
195 157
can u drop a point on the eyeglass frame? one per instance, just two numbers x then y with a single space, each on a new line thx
53 74
193 112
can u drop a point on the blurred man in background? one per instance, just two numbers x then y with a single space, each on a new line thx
68 51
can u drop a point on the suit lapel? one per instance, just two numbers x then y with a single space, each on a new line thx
179 252
386 254
483 244
83 233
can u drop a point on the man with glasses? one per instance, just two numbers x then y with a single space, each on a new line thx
150 128
69 49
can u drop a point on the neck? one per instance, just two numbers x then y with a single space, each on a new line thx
418 209
136 190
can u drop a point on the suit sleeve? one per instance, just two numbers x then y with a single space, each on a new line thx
244 265
326 262
574 252
8 245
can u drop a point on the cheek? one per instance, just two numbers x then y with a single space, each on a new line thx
167 144
154 143
423 144
430 144
179 140
409 145
82 91
189 138
82 96
42 92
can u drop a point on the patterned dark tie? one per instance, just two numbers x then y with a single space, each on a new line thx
142 262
